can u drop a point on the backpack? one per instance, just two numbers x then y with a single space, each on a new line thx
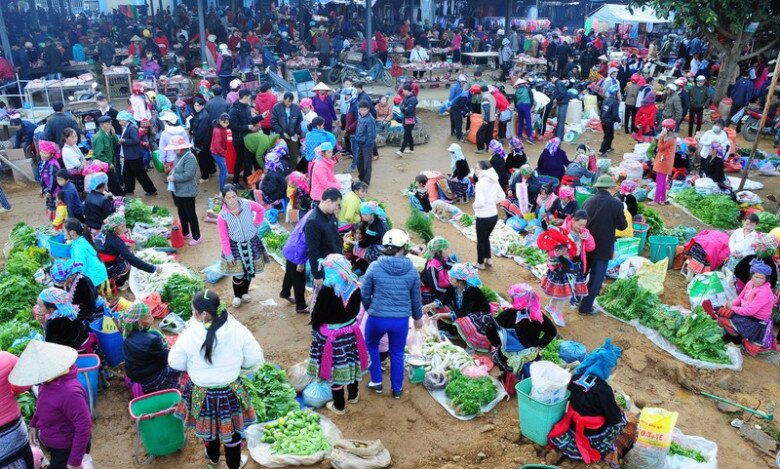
227 65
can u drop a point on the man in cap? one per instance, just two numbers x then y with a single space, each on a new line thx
673 104
131 155
699 99
524 102
457 88
104 144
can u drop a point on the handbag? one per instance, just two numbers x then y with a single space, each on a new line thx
410 120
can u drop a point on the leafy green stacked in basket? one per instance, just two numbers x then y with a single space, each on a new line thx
716 210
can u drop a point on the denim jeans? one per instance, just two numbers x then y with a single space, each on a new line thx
561 129
222 167
396 330
54 76
598 270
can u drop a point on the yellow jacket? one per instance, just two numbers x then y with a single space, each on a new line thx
350 209
629 231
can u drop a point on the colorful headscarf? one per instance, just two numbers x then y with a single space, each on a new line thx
566 192
371 207
649 98
114 220
525 298
516 143
49 147
496 147
582 159
305 102
338 275
125 116
64 269
719 150
600 361
437 244
272 162
526 170
628 187
765 245
299 181
61 301
759 267
281 149
96 180
553 144
134 313
324 147
467 273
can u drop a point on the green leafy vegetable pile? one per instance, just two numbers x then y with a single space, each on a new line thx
466 220
160 211
767 222
19 294
16 329
272 395
490 294
626 300
25 262
157 241
22 236
653 220
700 337
677 449
550 353
298 433
681 232
716 210
178 292
469 395
274 242
27 403
136 211
532 255
421 224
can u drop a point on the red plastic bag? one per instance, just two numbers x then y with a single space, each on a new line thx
158 309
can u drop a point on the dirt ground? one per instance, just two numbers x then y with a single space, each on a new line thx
417 431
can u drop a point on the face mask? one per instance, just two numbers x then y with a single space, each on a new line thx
716 129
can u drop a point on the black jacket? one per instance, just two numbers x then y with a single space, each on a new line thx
530 333
145 355
131 149
281 124
685 100
52 57
329 309
84 296
597 401
474 301
240 120
561 92
201 129
498 163
609 111
274 185
605 215
216 107
111 244
112 113
56 125
322 238
96 208
552 51
409 106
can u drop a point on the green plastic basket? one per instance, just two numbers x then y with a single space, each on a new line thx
663 247
161 432
581 196
158 164
537 419
640 231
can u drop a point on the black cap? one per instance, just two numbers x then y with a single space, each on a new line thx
224 116
104 119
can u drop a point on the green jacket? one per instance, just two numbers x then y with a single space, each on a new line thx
103 147
700 96
523 95
259 144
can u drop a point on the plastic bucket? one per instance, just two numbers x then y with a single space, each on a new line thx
58 248
110 343
581 195
161 432
88 368
537 419
640 231
157 162
663 247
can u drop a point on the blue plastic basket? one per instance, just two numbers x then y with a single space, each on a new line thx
58 248
88 368
537 419
110 343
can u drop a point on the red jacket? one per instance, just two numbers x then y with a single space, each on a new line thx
381 42
219 143
502 104
163 45
645 117
6 70
264 102
415 89
233 42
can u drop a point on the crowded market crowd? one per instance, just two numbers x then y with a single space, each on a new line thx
275 154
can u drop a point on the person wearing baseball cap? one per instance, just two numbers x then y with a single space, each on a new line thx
699 96
673 108
524 101
183 182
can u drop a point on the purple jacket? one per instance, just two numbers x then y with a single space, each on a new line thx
552 164
62 416
325 109
294 249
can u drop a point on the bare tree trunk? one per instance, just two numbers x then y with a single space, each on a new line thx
729 63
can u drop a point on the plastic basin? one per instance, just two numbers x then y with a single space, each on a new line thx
663 247
58 248
162 433
537 419
88 368
110 343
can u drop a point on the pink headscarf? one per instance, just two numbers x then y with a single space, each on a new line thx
525 298
306 102
566 192
627 187
49 147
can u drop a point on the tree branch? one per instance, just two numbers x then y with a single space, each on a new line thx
713 40
725 32
759 51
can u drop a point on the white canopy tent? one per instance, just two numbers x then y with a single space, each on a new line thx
618 14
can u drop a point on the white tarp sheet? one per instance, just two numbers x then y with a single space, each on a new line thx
620 14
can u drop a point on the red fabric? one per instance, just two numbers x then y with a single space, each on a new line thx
581 423
471 335
715 243
134 49
163 45
230 156
233 42
219 144
381 42
502 104
264 102
6 70
415 89
645 117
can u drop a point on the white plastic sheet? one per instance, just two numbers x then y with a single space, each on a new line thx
261 452
707 448
440 397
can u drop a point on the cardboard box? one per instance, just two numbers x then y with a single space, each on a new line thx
15 154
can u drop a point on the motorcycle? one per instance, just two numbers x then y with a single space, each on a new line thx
752 118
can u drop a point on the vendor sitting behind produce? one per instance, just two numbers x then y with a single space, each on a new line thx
593 421
59 318
715 168
521 199
69 276
748 318
435 278
742 239
521 331
99 203
373 227
465 300
115 254
338 352
350 205
146 351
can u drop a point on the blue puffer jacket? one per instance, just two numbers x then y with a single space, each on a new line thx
391 288
315 138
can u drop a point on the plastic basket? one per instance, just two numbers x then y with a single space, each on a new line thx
537 419
88 366
581 194
58 248
627 247
663 247
640 231
110 343
158 164
160 431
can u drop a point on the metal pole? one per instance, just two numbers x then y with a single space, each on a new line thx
369 33
301 23
507 17
4 39
202 34
770 97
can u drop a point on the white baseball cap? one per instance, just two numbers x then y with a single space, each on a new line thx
396 238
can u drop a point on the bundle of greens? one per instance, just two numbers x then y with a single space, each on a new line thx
160 211
274 242
530 254
27 404
767 222
468 395
490 294
716 210
178 292
136 211
700 337
271 393
466 220
25 262
551 352
19 294
298 433
626 300
681 232
157 241
690 453
421 224
22 236
15 334
664 320
653 220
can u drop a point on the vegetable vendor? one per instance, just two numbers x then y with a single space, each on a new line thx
715 168
553 160
524 188
498 162
748 318
243 254
765 247
338 352
521 332
372 228
83 252
566 277
578 169
15 450
298 192
215 402
435 278
274 184
626 195
516 158
594 426
60 319
563 207
115 254
466 306
69 276
741 240
61 424
99 203
350 205
146 351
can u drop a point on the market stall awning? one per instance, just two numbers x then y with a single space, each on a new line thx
618 14
361 3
